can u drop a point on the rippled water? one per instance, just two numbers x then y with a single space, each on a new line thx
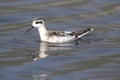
95 57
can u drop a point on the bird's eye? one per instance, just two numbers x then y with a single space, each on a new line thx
39 22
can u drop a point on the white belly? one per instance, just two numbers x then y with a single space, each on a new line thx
60 39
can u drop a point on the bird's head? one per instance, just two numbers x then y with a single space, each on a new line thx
37 22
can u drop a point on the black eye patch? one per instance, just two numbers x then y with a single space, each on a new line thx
39 22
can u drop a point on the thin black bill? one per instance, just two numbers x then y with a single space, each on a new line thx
29 29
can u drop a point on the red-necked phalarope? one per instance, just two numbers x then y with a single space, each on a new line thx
55 36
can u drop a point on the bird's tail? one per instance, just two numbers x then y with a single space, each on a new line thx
84 32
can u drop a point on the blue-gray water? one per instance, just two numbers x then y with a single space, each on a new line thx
95 57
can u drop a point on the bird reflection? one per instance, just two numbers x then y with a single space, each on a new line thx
48 49
42 52
40 77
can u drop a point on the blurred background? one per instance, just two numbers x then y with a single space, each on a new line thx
95 57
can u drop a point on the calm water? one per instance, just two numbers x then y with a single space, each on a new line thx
95 57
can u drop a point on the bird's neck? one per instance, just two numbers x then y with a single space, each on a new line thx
43 32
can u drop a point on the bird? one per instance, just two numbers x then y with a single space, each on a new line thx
57 36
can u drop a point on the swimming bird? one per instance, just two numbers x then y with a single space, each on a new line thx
57 36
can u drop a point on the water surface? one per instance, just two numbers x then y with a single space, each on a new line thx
95 57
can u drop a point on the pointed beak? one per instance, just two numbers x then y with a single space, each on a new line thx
29 29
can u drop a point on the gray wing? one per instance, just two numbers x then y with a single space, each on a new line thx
60 33
70 33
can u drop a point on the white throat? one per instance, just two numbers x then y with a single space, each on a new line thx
43 32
